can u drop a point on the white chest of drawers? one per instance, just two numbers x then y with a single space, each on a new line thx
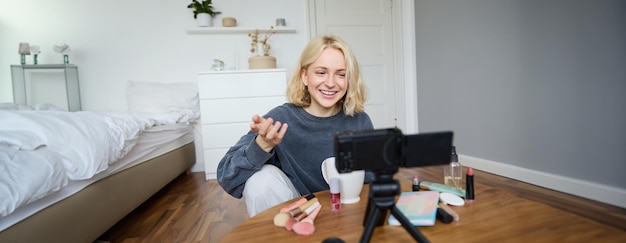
228 100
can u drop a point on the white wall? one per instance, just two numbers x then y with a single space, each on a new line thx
116 40
534 90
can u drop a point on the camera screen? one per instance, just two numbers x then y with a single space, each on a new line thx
385 150
372 150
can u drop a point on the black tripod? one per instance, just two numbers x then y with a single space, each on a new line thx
381 198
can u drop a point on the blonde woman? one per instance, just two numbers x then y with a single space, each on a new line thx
280 157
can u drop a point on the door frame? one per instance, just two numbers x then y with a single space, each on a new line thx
403 14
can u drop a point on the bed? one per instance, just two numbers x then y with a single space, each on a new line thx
70 176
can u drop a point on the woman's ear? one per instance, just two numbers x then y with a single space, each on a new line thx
303 77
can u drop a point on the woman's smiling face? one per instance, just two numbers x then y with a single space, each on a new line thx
326 82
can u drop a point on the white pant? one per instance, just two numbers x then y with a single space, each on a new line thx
267 188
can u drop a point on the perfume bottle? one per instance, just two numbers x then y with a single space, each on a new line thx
453 173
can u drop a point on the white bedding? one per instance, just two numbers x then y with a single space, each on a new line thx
40 151
44 170
152 143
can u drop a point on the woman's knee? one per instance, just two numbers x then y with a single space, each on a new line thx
266 188
269 178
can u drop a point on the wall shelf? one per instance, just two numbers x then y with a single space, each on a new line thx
234 30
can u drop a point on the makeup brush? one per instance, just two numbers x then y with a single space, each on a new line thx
307 226
301 208
278 218
291 221
297 203
281 218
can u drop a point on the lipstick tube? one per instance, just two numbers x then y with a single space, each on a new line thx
416 183
469 185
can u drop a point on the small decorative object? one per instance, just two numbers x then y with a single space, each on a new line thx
261 47
218 65
23 51
35 50
281 22
260 44
229 22
63 49
203 12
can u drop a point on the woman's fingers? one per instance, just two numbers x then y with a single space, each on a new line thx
261 125
283 130
272 131
266 126
268 129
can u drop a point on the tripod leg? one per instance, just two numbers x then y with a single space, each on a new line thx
372 218
368 211
417 235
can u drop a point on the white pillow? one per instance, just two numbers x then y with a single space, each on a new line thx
163 98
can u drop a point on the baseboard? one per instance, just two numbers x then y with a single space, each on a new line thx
198 166
210 176
591 190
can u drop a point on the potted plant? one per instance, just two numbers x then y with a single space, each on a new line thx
260 43
203 11
261 47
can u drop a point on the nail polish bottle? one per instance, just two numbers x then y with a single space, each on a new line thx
335 194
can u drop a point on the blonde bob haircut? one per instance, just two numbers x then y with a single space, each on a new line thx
354 99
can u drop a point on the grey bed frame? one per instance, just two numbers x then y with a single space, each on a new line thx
86 215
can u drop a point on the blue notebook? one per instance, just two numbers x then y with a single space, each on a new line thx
418 207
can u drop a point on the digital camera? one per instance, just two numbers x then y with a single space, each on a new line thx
386 150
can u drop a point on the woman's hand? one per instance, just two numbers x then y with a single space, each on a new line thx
270 133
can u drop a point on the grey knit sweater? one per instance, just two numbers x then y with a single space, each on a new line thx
308 141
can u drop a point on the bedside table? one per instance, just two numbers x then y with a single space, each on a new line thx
22 92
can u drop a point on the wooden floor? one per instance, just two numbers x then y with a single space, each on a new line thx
191 209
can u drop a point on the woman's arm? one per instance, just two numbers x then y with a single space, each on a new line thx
240 162
249 154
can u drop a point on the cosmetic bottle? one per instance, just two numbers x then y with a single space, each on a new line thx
453 173
335 195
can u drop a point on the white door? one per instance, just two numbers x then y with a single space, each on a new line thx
367 26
